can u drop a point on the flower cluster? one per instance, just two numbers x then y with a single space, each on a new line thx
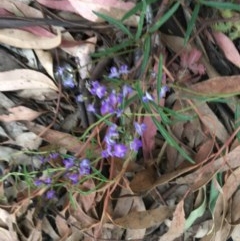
74 171
116 73
116 149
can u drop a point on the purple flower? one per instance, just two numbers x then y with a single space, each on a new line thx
126 90
38 182
91 108
119 112
69 162
114 73
147 97
106 107
123 69
140 128
135 144
54 155
119 150
80 98
68 83
73 177
164 91
98 89
48 181
50 194
115 98
43 159
107 152
111 135
85 168
60 70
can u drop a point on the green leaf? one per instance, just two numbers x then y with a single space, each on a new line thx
141 20
221 5
237 119
116 23
198 212
170 140
214 192
191 23
112 50
165 17
146 51
159 77
136 9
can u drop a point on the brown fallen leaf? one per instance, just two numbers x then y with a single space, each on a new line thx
143 180
203 175
113 8
228 47
222 205
46 60
144 219
57 138
20 113
218 86
20 79
177 225
23 39
6 235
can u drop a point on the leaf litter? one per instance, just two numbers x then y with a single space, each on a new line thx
123 125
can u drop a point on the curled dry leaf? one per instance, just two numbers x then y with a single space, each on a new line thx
177 225
21 79
221 208
113 8
46 60
20 113
22 39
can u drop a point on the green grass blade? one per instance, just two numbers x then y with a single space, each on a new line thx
112 50
136 9
170 140
165 17
141 20
221 5
159 77
116 23
191 23
146 51
237 119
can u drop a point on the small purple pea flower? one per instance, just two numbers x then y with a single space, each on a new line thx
164 91
68 83
119 150
147 97
50 194
91 108
74 177
123 69
85 168
135 144
54 155
114 73
80 98
140 128
126 90
38 182
69 162
98 89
